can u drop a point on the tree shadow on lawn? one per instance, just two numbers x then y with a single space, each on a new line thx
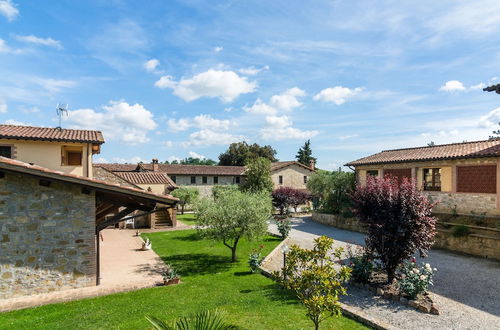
190 238
198 263
275 292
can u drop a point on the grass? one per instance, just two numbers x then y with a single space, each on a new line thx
187 218
209 280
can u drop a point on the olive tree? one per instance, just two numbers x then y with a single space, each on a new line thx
187 195
232 216
258 176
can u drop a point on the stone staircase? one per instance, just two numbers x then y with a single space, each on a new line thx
162 220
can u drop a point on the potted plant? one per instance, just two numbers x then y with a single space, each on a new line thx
255 259
170 277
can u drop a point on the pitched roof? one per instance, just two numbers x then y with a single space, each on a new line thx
50 134
147 178
476 149
174 169
22 167
279 165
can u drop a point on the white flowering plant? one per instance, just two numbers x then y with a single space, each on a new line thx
414 279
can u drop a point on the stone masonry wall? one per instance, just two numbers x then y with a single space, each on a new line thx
486 246
464 202
47 236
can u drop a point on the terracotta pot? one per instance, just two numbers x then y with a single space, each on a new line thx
171 281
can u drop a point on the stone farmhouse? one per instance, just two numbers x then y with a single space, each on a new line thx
51 215
463 177
205 177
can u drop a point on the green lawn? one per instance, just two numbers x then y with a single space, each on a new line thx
187 218
209 281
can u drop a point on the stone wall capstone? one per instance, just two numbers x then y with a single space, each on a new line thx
47 236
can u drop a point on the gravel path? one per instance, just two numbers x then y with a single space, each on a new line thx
466 290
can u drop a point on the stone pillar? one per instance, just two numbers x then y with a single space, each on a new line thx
173 216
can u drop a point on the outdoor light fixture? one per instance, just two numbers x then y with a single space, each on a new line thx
285 248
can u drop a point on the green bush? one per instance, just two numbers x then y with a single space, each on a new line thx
461 230
361 264
331 190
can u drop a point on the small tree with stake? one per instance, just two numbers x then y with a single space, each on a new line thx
233 215
397 218
315 278
187 195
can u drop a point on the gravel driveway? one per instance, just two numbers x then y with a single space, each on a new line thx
466 290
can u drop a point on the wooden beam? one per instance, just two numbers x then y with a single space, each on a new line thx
114 219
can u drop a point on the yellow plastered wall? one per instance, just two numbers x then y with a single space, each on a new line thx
446 179
48 154
157 188
362 177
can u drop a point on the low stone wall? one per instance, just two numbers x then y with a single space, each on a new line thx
464 202
486 246
47 237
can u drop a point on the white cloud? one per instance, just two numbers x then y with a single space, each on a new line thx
169 144
346 137
40 41
206 121
225 85
101 160
15 122
288 100
201 121
172 158
452 86
119 120
337 94
490 120
3 107
218 49
280 128
252 71
9 10
260 108
29 110
178 125
53 85
152 65
208 137
4 48
132 160
196 155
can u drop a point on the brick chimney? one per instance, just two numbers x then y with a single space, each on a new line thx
312 165
154 162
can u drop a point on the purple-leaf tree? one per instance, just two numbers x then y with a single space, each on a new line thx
285 197
397 218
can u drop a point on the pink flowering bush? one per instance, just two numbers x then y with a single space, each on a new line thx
397 218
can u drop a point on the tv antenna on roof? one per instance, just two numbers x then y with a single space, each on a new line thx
61 109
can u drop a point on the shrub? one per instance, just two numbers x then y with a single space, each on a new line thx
285 197
232 216
315 278
218 189
331 190
415 280
284 226
255 259
397 218
461 231
361 264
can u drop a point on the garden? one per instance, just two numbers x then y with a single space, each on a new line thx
209 280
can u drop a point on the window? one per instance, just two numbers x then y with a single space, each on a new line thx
305 179
193 180
280 179
216 179
237 179
71 156
204 179
432 179
174 178
6 151
372 173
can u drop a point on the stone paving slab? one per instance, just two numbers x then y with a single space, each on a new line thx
467 289
124 267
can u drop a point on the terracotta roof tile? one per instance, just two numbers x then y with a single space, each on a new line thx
147 178
50 134
279 165
173 169
22 167
476 149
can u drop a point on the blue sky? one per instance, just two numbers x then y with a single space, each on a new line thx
171 79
